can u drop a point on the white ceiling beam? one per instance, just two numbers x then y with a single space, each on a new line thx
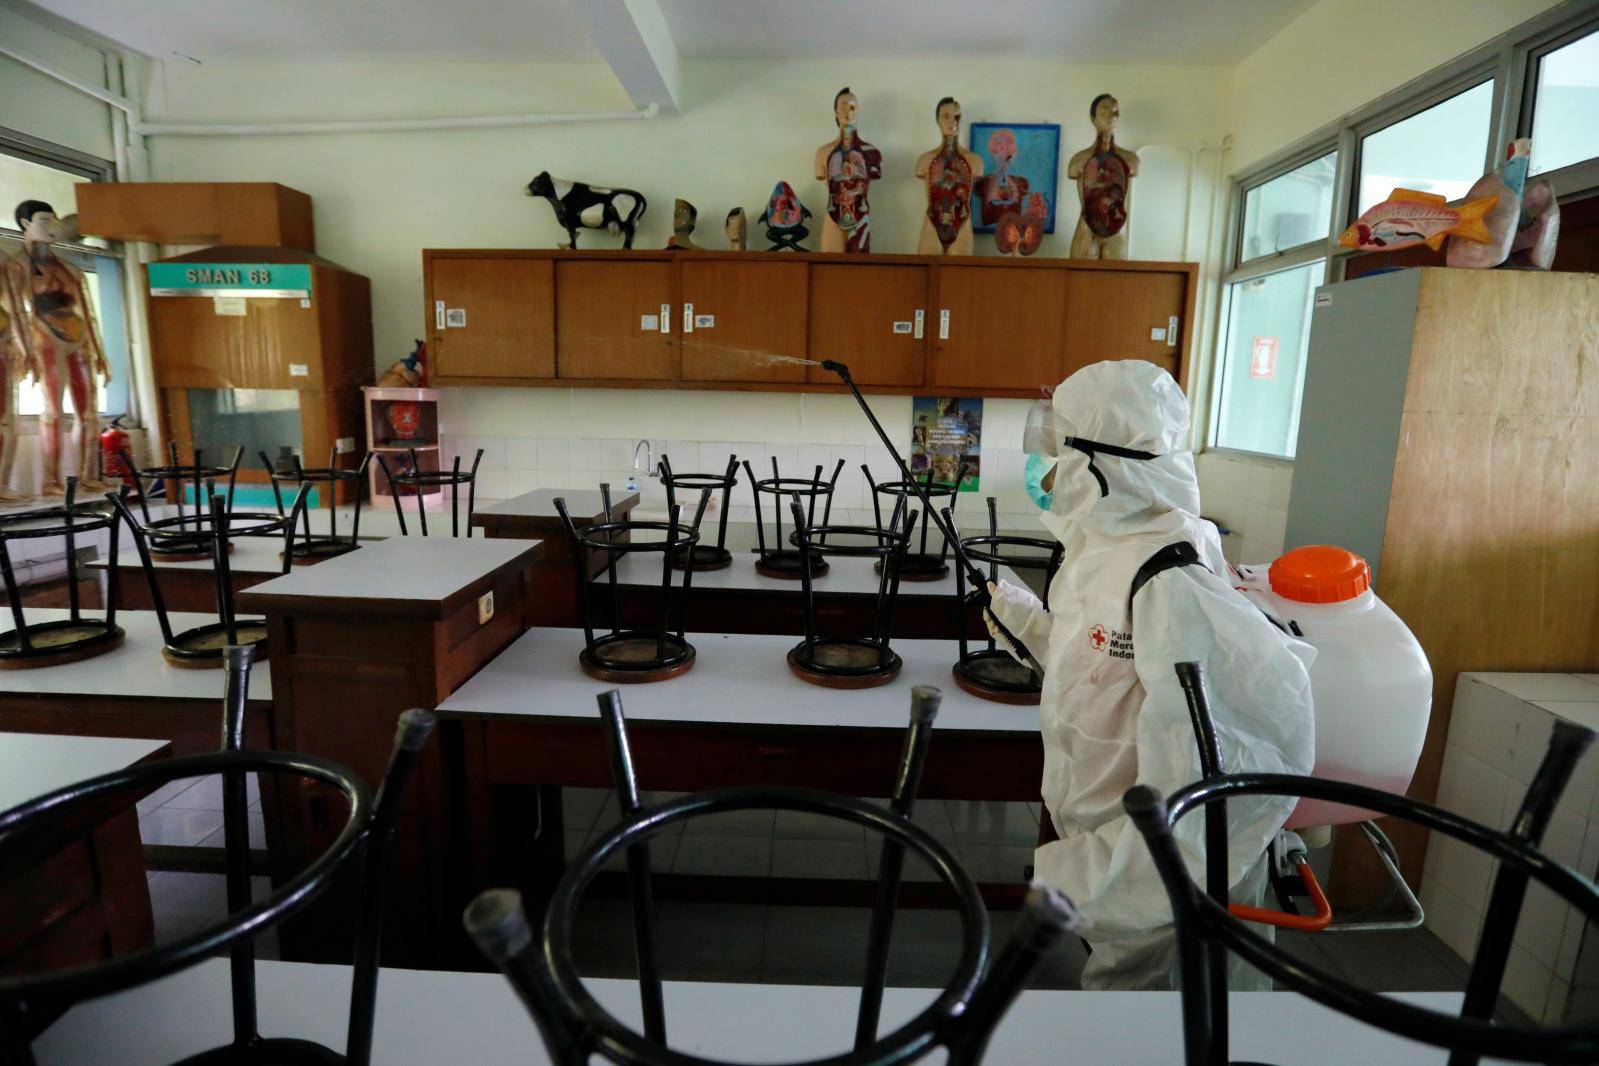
634 39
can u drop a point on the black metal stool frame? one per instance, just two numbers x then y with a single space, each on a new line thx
575 1026
781 562
110 634
1204 927
174 474
316 545
217 529
419 479
969 669
920 565
601 537
702 556
889 545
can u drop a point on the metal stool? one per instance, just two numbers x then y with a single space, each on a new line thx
625 656
203 479
1206 930
990 672
920 565
413 477
703 556
852 662
781 562
29 1003
76 637
575 1027
202 647
321 545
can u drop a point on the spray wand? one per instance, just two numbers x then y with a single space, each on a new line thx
979 583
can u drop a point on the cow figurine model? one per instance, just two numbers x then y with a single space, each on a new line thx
579 206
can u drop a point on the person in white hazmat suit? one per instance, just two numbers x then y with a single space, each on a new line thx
1124 493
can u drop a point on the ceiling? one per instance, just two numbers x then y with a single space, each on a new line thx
1080 31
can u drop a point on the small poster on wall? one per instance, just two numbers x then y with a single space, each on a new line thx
1020 165
947 431
1263 358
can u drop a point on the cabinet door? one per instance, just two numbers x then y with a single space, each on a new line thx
1113 312
749 320
1005 327
607 320
865 316
508 328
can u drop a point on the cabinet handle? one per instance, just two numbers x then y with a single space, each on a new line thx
438 314
688 318
943 323
921 323
666 318
1171 331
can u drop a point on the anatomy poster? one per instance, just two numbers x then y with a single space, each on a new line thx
947 432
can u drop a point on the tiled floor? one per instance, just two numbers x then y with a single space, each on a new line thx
786 944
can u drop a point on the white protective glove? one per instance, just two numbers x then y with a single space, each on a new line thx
1021 612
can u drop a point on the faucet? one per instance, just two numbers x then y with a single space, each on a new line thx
649 458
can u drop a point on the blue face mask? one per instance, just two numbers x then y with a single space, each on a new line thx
1033 477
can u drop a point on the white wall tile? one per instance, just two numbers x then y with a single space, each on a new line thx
1466 870
712 458
555 453
491 484
1449 918
1530 743
587 453
1541 686
1484 721
519 481
1570 943
1559 992
521 453
1542 926
554 477
787 461
1527 982
1471 788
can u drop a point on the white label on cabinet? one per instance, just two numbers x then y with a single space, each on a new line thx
688 318
943 323
233 306
344 445
1171 332
1324 299
921 319
649 323
305 303
485 608
299 370
666 318
455 317
438 314
704 321
902 327
1157 334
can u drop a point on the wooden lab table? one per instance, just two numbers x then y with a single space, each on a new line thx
132 691
190 584
532 516
740 599
425 1017
355 641
739 717
77 894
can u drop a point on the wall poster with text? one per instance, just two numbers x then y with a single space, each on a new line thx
947 433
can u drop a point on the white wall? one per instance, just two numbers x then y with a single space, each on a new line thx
42 107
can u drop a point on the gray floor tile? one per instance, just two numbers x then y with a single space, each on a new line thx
206 794
802 825
711 941
575 841
1061 968
924 947
735 856
168 825
1391 962
663 853
602 939
839 859
815 945
992 822
998 864
610 814
256 820
182 902
752 823
580 807
915 867
166 792
930 816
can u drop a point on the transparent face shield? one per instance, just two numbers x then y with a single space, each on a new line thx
1042 434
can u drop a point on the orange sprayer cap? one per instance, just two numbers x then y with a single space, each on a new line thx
1320 573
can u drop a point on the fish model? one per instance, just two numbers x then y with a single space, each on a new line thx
1408 218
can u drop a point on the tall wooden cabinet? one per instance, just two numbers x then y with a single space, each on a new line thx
751 320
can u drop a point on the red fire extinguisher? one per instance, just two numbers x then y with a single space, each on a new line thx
113 446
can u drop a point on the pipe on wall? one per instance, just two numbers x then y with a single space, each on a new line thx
397 125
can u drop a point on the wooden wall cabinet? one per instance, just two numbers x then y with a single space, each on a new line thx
744 320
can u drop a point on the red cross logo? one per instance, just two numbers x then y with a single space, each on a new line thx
1098 638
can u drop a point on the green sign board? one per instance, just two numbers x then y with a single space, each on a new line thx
270 280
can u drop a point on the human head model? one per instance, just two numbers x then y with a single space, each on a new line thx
684 215
37 221
1104 111
948 114
735 225
844 108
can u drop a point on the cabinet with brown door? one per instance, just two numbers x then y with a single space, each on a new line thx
975 326
742 320
492 317
872 317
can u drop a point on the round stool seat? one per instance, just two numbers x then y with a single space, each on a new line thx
701 558
994 675
789 565
844 662
202 648
920 566
630 657
64 641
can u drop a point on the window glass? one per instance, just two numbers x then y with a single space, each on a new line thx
24 179
1263 361
1440 150
258 420
1565 113
1292 209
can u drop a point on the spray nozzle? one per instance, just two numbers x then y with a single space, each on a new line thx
836 367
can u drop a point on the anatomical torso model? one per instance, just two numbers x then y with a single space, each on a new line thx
61 340
15 364
849 166
948 172
1104 176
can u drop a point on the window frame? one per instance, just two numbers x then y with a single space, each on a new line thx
1509 61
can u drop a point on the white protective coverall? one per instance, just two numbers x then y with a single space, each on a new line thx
1112 711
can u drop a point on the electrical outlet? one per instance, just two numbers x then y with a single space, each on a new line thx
344 445
485 608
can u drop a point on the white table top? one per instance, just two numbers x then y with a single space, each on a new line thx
415 569
430 1017
137 668
540 503
847 574
739 678
32 764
